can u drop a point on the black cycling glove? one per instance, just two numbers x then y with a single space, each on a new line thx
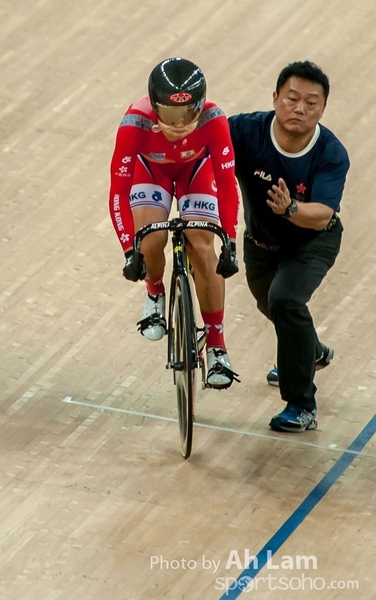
132 271
228 265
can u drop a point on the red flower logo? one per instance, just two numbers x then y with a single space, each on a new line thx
181 97
301 188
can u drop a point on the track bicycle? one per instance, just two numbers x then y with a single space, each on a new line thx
185 341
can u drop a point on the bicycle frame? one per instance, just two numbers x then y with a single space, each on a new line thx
185 341
181 267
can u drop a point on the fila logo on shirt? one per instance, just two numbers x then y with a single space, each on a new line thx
262 175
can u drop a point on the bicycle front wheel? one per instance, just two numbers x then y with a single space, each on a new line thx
184 362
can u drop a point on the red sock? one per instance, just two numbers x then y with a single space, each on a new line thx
213 323
155 286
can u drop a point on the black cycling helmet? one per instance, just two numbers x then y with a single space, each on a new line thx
177 90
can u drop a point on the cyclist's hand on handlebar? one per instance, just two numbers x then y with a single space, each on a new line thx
228 263
134 271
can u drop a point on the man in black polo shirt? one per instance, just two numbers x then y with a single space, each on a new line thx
292 173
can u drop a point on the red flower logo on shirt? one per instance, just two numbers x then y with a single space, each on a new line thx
301 188
181 97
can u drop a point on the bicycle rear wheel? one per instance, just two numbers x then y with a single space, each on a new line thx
184 362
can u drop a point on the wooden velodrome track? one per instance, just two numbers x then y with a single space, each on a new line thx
96 502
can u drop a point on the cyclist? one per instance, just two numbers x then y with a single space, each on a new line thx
174 142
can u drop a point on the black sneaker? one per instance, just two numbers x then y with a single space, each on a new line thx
294 419
272 376
321 363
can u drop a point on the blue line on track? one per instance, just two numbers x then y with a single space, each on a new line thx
297 517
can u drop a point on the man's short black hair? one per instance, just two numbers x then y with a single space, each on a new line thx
305 70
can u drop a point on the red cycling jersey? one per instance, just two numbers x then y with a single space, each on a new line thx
138 134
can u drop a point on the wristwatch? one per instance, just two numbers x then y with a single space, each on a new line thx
291 210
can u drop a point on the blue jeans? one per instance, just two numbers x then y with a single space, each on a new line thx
282 281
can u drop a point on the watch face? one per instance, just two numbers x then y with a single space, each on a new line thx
292 209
